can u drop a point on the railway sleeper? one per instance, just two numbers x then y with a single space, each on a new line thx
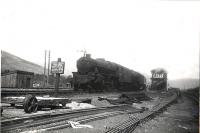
147 115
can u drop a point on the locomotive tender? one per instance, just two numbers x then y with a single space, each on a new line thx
101 75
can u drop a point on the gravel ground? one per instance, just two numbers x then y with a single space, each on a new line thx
178 118
18 111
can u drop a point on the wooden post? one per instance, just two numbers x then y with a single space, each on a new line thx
48 69
44 69
57 79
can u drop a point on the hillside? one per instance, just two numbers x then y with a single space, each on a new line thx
12 62
184 83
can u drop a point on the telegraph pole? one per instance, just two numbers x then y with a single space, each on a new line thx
48 69
44 69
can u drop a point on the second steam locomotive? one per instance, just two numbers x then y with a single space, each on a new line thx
101 75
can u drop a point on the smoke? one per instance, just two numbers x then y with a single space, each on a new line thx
158 70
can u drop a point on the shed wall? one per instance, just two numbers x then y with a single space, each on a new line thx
24 81
9 80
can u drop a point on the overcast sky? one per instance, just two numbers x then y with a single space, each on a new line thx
138 34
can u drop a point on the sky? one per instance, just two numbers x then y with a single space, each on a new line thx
138 34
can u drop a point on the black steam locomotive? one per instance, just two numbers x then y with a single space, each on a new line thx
100 75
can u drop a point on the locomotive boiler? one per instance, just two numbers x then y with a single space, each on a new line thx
102 75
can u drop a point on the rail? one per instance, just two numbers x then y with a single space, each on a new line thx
130 125
42 119
9 91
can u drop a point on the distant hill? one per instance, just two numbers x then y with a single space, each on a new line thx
184 83
12 62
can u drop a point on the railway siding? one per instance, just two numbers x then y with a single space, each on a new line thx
129 125
42 119
59 121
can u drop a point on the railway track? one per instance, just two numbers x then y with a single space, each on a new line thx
192 97
130 125
192 94
125 127
14 91
89 118
45 119
43 122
